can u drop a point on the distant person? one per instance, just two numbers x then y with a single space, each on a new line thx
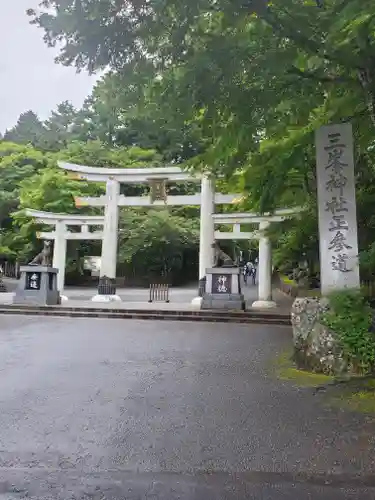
245 273
248 271
251 271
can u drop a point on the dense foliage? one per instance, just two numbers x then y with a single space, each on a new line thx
350 317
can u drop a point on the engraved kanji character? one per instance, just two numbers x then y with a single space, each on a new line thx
338 222
334 163
340 263
338 243
337 204
336 181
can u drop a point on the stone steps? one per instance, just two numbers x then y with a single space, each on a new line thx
254 317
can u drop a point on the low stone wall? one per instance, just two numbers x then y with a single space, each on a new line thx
315 345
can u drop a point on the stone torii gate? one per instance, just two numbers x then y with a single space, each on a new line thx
157 178
265 252
61 234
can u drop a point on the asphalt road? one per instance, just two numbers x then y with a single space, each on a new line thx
113 409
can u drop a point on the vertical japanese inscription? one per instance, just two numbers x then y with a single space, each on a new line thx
337 208
33 281
158 190
221 283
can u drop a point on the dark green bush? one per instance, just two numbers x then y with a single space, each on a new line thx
350 318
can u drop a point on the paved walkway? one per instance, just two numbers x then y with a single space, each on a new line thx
137 298
110 409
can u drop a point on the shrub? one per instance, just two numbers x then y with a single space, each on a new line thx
350 318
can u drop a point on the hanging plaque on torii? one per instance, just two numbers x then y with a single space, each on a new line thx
158 190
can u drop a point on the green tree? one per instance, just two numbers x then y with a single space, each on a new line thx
28 130
118 114
50 190
158 243
98 154
60 127
233 68
17 164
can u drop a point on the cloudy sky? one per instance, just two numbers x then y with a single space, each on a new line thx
29 78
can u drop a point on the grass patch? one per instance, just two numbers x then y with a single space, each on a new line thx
369 383
286 370
355 394
288 281
302 292
361 401
304 378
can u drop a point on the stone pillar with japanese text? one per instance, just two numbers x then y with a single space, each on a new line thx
338 238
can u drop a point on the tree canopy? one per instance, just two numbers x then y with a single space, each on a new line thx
256 77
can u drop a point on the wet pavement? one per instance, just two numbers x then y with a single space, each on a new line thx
116 409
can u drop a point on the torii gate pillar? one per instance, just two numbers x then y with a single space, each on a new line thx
109 245
59 254
264 271
207 231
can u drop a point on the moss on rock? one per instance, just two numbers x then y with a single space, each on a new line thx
285 369
355 394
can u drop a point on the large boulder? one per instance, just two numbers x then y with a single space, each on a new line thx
315 346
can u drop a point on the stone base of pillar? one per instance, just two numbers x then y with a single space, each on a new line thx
106 286
197 302
106 298
224 302
263 304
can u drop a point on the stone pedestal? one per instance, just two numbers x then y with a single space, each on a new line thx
37 286
106 291
223 290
